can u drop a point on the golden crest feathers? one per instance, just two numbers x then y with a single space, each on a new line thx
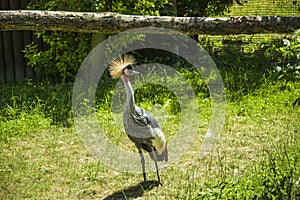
117 66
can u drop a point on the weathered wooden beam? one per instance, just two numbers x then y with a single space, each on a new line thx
111 23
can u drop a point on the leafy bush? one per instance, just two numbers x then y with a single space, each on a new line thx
287 58
60 62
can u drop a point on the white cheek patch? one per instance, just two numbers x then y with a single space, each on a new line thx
126 72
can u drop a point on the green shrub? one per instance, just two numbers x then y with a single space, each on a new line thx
60 62
287 58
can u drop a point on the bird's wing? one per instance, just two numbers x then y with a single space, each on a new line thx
140 123
144 118
143 129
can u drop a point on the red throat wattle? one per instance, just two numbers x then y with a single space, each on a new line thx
126 79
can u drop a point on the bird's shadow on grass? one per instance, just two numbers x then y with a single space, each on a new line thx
133 191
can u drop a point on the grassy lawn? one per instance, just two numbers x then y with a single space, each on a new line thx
257 152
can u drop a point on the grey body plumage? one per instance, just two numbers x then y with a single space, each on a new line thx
140 126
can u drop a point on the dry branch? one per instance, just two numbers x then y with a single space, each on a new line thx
113 23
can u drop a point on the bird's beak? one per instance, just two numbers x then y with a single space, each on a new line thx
135 72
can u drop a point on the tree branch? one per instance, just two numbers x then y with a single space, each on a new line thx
111 23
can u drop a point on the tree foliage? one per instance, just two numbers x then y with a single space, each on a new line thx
143 7
203 8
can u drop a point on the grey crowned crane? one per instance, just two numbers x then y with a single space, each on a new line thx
140 126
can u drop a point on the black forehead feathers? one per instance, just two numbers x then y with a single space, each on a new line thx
129 67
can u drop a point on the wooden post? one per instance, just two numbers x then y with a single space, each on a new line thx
2 65
17 44
7 49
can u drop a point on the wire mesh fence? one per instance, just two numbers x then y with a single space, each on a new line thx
248 54
266 8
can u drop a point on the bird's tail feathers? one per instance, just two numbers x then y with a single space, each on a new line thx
163 156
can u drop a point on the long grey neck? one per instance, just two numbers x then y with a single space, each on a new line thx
129 94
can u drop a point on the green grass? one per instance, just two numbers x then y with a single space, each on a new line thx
261 134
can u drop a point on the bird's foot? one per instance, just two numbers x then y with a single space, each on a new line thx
159 183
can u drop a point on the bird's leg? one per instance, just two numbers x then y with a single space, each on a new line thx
158 177
143 164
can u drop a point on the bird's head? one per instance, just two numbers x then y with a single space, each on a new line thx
122 66
129 70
